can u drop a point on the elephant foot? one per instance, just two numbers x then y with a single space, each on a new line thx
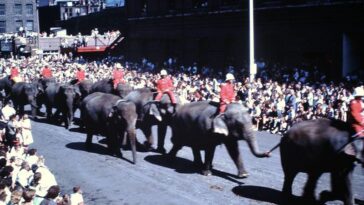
198 164
148 146
206 172
243 174
161 150
326 196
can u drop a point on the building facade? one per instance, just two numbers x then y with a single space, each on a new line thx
215 33
18 13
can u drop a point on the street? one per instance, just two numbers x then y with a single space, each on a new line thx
155 179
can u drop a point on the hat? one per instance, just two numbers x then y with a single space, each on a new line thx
358 92
118 65
163 72
229 76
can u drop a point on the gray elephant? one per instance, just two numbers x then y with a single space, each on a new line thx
152 113
196 125
63 98
25 93
106 86
108 114
318 146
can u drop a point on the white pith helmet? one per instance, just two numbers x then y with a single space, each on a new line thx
358 92
229 76
163 72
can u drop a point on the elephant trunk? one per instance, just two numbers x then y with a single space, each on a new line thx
253 145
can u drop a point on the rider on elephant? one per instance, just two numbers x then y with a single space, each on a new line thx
14 72
165 85
356 118
227 93
118 75
46 72
80 74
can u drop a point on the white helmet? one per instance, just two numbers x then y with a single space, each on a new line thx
359 92
118 65
229 76
163 72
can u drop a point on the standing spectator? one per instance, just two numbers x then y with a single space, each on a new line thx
355 117
26 131
227 93
11 131
76 198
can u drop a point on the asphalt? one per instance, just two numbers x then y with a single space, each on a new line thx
156 179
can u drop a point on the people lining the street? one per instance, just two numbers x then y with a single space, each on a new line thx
24 177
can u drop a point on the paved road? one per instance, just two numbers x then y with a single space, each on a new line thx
156 180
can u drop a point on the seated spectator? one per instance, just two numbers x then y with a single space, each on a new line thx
28 196
32 157
24 175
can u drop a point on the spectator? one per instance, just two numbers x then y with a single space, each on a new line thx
26 131
76 197
52 194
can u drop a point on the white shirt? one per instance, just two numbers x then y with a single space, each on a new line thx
23 177
76 198
7 112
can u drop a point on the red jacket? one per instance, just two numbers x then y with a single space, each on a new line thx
46 72
14 72
165 84
80 75
227 93
356 118
118 75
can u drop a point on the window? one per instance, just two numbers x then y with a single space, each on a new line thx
18 9
29 9
2 9
18 24
29 25
2 26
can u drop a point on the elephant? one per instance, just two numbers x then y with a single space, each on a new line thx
63 98
108 114
85 88
5 84
198 126
25 93
106 86
152 113
316 147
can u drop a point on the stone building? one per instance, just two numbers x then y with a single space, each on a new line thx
18 13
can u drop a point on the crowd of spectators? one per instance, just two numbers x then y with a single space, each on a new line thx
278 97
24 177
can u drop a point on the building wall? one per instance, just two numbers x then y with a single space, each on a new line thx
12 20
217 38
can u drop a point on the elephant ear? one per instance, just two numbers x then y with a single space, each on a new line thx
219 126
154 111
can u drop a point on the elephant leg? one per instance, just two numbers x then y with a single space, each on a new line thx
233 149
162 130
49 112
309 190
174 150
341 184
132 138
147 130
197 157
288 181
209 155
89 139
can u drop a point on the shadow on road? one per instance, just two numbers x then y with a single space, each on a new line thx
185 166
95 148
266 194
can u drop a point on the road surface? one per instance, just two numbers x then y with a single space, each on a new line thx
157 180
